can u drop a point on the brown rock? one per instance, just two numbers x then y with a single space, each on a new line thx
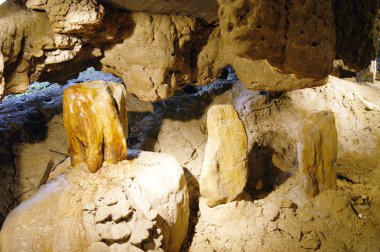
96 127
163 62
317 152
224 171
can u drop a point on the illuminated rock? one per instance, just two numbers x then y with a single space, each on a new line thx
88 223
224 172
95 120
317 152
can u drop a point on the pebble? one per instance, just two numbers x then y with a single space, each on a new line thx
271 211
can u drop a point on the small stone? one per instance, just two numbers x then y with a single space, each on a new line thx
271 226
98 247
360 216
271 211
310 241
291 225
259 185
102 214
120 231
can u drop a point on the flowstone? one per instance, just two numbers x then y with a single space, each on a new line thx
95 118
225 168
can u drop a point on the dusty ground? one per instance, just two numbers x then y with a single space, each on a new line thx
273 215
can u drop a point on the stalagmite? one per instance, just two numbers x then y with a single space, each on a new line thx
95 120
317 152
225 171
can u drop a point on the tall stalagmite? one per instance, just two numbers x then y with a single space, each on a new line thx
317 152
225 171
95 118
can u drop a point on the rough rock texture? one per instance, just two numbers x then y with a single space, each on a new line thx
163 62
317 152
244 225
225 167
357 25
274 46
70 16
100 206
96 123
204 9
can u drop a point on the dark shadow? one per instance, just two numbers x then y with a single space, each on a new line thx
264 176
70 70
194 194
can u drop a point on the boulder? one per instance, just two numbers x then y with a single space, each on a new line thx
140 204
225 169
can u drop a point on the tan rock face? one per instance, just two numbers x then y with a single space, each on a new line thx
317 152
155 57
95 120
70 16
272 48
224 172
135 205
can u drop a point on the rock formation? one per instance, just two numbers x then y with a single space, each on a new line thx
317 152
95 119
138 205
224 171
273 46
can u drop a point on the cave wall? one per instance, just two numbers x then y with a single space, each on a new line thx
158 48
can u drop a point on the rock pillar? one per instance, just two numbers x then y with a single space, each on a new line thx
225 169
95 120
317 152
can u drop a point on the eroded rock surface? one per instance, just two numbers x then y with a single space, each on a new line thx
96 123
317 152
225 167
156 55
160 47
116 207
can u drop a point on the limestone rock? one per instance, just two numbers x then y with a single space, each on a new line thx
272 37
163 62
94 115
70 16
271 211
224 171
40 223
317 152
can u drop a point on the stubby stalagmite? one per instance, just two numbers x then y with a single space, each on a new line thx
95 120
225 171
317 152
